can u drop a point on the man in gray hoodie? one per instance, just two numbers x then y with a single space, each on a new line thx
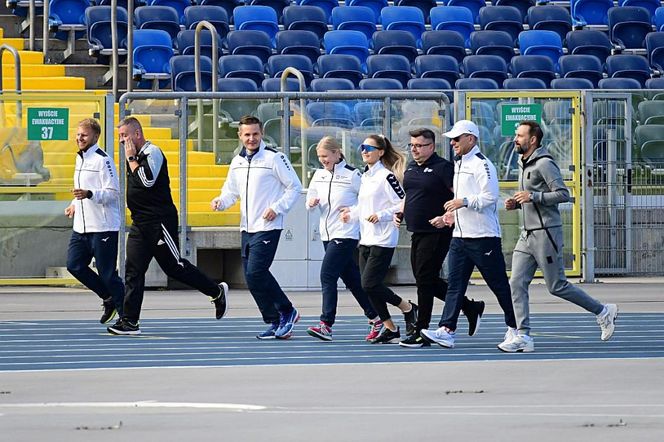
541 189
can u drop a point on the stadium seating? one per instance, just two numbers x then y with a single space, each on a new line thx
502 18
250 42
325 5
347 42
236 85
186 41
242 66
581 66
485 66
551 18
164 18
522 5
307 18
354 18
655 83
274 85
424 5
444 43
541 43
498 43
628 26
375 5
650 139
589 42
523 83
276 65
67 16
178 5
329 113
473 6
590 12
183 77
331 84
659 19
98 21
650 5
277 5
453 18
655 49
628 66
476 83
228 5
533 66
152 53
572 83
398 42
619 83
299 42
340 66
403 18
437 66
429 83
216 15
389 66
651 112
380 84
368 113
259 18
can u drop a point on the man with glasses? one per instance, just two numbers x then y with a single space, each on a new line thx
477 236
428 185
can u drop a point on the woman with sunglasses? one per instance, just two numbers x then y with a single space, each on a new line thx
333 187
378 200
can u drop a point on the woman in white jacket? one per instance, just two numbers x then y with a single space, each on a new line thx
378 200
333 187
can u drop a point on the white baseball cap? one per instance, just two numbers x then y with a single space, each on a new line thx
463 127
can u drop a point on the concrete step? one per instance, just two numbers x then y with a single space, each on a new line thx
45 83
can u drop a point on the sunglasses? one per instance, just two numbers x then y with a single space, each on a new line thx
367 148
456 139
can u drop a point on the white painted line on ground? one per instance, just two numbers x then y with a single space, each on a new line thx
139 404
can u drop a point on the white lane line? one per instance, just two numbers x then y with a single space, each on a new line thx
139 404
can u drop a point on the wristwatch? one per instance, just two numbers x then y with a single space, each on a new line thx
465 202
131 158
532 197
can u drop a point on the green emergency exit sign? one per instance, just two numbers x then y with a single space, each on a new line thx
512 114
45 124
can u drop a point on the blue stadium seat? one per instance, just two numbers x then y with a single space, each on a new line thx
589 42
368 113
331 84
380 84
259 18
651 112
277 5
182 73
274 85
178 5
216 15
444 43
423 5
590 12
299 42
403 18
502 18
329 113
306 18
628 66
659 19
533 66
476 83
485 66
347 42
242 66
152 52
655 83
340 66
326 5
581 66
236 85
619 83
120 3
355 18
375 5
389 66
572 83
276 65
437 66
498 43
650 139
250 42
453 18
628 26
523 84
98 21
550 18
67 16
650 5
398 42
473 6
541 43
429 83
164 18
228 5
186 41
522 5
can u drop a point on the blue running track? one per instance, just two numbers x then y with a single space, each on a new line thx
198 342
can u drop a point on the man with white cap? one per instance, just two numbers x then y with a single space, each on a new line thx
476 241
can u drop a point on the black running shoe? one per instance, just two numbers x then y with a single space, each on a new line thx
411 319
109 311
221 301
414 341
124 327
387 336
474 317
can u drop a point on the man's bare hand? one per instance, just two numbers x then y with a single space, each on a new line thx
80 194
70 210
269 214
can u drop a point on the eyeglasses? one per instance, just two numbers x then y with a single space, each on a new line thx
367 148
456 139
418 146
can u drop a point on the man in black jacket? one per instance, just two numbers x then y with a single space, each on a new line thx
154 231
428 185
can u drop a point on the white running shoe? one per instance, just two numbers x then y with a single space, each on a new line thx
442 336
509 335
518 344
607 321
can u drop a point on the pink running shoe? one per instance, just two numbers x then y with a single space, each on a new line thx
375 326
322 331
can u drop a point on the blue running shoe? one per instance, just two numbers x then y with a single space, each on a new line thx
286 323
269 333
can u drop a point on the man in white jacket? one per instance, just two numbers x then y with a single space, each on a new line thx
96 213
268 187
476 240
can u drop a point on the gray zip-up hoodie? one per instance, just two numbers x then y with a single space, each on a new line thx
540 175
